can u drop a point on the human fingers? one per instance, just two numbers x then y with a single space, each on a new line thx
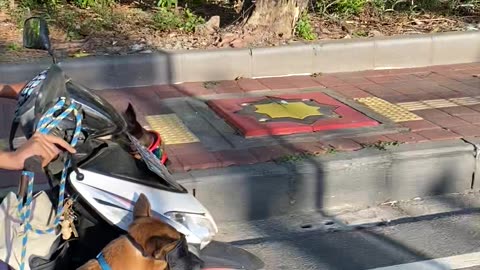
60 142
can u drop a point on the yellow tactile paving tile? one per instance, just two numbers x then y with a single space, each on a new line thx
171 128
465 101
439 103
414 106
392 111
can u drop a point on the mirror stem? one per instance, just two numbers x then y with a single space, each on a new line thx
53 56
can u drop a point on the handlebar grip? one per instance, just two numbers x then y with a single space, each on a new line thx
33 164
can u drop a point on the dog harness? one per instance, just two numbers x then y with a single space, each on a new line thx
102 262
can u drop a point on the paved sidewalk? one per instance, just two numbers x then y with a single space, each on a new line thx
397 106
410 105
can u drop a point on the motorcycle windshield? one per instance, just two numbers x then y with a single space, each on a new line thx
101 118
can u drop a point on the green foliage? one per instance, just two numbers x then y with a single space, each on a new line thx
191 21
426 5
381 145
349 7
297 157
167 20
13 47
84 3
167 3
4 4
346 8
304 29
342 8
93 3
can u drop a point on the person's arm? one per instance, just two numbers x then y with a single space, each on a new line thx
45 146
11 90
7 161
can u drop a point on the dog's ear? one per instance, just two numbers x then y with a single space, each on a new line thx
142 207
130 113
159 247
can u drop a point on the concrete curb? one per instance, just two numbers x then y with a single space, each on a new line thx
363 178
226 64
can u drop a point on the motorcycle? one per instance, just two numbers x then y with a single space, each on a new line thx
105 179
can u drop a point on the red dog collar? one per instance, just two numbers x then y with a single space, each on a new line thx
156 147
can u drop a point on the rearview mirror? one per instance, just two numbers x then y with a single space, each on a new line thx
36 35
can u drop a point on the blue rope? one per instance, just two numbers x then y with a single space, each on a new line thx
44 126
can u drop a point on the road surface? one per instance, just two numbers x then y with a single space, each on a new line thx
435 233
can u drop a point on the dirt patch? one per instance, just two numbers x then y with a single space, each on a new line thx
126 29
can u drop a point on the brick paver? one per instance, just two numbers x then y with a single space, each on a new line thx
450 96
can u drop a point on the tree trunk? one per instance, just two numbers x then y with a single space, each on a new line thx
275 16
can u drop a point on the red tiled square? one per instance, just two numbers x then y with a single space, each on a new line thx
249 126
467 130
422 96
408 137
329 80
431 113
164 94
380 91
356 94
303 82
194 89
185 149
419 125
397 99
371 139
198 161
471 118
235 157
307 147
439 134
410 90
383 79
343 144
278 83
475 107
449 94
227 87
174 165
459 110
350 91
449 121
356 80
269 153
249 85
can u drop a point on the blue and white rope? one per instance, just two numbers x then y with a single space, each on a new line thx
44 126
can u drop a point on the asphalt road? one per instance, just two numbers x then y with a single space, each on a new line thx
436 233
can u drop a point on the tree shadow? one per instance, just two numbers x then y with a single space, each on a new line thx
332 253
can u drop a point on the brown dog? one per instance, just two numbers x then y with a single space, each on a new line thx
148 242
136 130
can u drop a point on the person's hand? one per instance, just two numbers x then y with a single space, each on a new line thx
46 146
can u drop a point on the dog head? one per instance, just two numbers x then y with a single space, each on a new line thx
135 129
146 247
155 236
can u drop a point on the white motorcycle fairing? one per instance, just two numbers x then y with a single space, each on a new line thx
114 200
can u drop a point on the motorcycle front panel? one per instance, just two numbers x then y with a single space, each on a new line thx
114 200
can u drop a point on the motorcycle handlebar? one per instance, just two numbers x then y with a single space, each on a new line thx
33 164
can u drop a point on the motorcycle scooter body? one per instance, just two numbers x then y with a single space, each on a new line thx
109 180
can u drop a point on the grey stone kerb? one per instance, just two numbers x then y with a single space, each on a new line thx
227 64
